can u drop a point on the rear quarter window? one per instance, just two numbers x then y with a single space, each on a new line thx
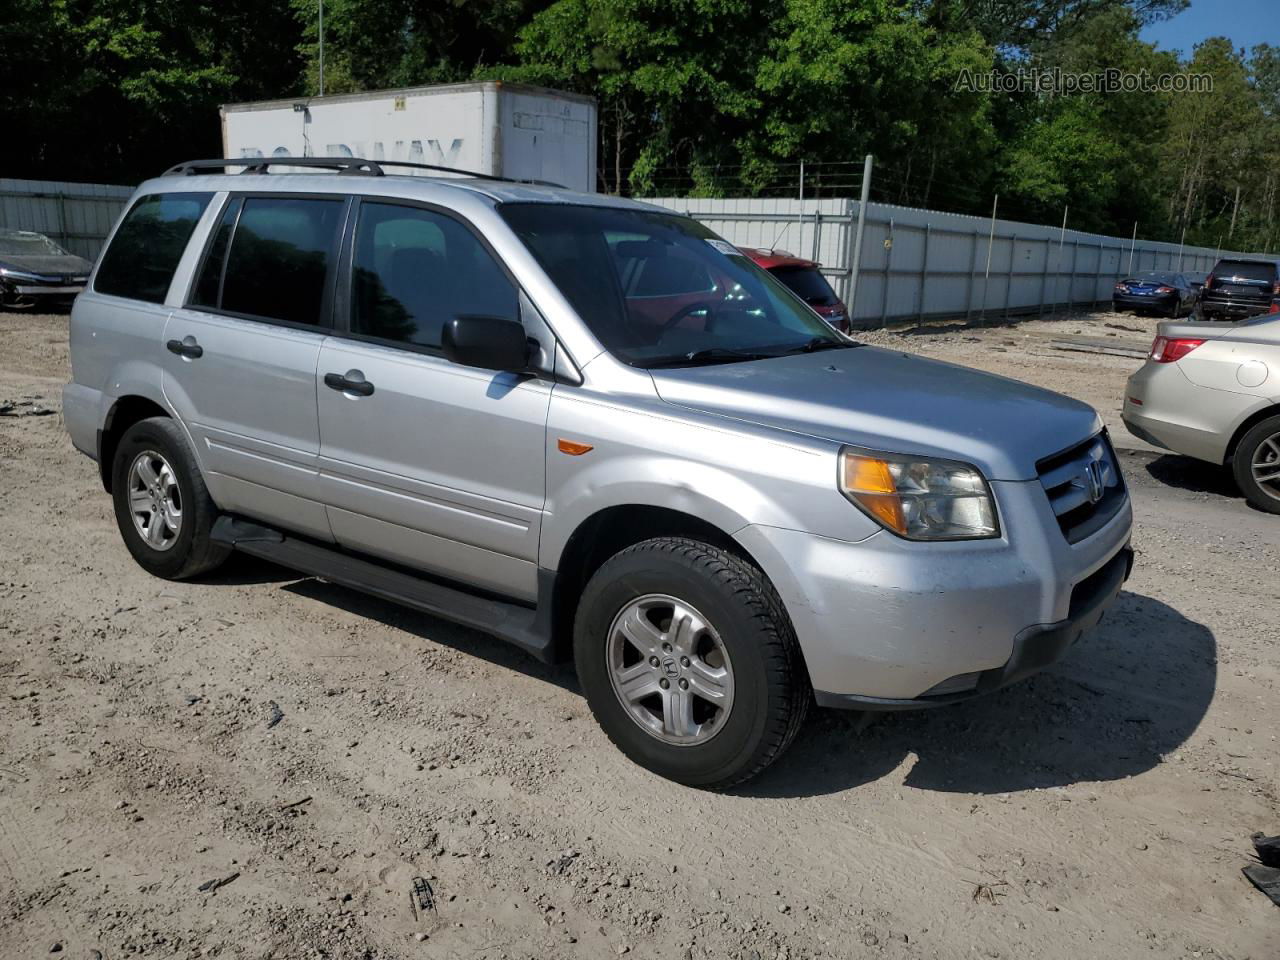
144 253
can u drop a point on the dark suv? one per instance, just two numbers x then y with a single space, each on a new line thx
1237 289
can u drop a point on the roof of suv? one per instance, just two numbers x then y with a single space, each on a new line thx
392 184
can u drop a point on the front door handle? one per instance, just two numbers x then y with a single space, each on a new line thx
187 348
352 381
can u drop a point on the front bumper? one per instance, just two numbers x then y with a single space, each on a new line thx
886 623
1033 649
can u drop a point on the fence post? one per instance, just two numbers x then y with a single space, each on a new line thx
991 239
1097 273
857 237
817 232
1182 241
1133 243
1044 276
924 273
968 288
884 286
1071 284
1008 286
64 234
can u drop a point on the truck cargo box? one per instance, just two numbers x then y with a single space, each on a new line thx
498 129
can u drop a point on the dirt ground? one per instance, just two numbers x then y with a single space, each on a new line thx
1102 809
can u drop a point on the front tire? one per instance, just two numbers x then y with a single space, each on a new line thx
162 507
1257 465
689 662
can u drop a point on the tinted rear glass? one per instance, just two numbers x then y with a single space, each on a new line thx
146 249
1152 277
1245 269
279 258
808 284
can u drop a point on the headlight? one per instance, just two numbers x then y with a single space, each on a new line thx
9 273
919 498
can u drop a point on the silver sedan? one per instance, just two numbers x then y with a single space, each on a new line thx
1213 392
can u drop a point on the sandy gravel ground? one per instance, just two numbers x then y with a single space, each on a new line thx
1102 809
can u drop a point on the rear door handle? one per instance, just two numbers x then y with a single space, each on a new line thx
186 348
352 381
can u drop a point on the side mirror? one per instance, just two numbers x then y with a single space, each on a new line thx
490 343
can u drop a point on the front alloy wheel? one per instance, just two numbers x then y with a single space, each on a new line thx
670 669
689 661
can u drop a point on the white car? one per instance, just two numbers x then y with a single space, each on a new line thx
1213 392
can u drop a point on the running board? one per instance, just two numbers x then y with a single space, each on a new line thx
527 627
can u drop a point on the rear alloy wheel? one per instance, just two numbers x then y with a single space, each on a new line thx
689 662
163 509
1257 465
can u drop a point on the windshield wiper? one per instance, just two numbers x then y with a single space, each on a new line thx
708 355
821 343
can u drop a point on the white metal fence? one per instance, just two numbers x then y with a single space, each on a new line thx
77 215
915 263
925 263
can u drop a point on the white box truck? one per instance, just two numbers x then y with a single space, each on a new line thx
498 129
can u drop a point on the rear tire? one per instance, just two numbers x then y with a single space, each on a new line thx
634 658
1256 465
162 507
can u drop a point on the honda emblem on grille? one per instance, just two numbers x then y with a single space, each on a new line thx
1094 479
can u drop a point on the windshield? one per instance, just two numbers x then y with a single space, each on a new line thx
29 245
659 289
807 284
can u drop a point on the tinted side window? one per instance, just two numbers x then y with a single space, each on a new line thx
146 249
280 253
415 269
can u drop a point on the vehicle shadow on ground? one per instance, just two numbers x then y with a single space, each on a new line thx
428 628
1130 692
1194 476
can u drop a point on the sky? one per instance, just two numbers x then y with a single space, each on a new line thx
1245 22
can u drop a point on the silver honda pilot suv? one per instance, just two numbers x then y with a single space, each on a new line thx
591 427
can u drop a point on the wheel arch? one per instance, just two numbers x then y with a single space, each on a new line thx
613 529
124 413
1247 424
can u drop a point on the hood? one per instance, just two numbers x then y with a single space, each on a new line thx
893 402
49 264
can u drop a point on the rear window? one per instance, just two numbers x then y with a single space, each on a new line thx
146 249
1245 270
808 284
270 258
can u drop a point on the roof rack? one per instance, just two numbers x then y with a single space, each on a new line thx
354 166
348 165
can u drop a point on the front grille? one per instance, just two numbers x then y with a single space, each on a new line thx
1084 486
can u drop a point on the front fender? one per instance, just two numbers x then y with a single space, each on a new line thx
728 475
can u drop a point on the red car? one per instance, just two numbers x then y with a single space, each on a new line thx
804 279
